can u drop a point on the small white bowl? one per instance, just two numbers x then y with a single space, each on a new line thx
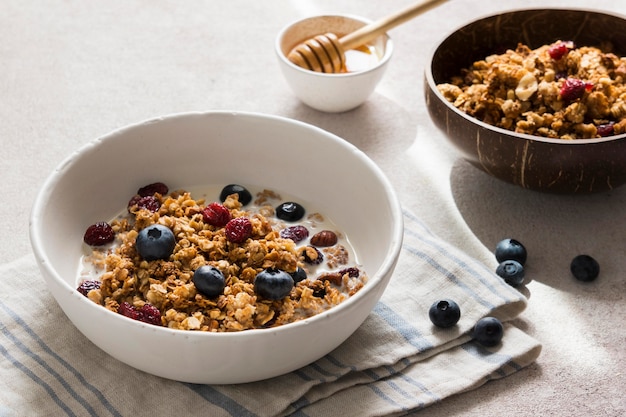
330 93
186 150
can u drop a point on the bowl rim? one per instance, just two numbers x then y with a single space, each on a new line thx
432 86
374 281
281 56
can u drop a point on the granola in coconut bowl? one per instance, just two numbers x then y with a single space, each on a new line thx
556 91
176 261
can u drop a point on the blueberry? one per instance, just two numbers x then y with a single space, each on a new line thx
511 271
299 275
273 284
488 331
244 195
209 281
155 242
510 249
290 211
585 268
444 313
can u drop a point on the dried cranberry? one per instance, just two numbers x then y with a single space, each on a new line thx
99 234
152 189
573 89
238 229
216 214
560 49
128 310
133 201
147 314
353 272
87 286
312 255
606 129
319 292
150 314
149 202
295 233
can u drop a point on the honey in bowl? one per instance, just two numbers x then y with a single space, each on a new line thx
361 58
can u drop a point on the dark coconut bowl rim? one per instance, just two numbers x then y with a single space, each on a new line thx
565 142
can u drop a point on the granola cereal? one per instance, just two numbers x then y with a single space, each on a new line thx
126 280
555 91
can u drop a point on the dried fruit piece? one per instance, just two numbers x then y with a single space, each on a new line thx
573 89
295 233
216 214
238 229
560 49
152 189
150 203
87 286
150 314
311 255
99 234
324 238
147 314
606 129
127 309
332 277
353 272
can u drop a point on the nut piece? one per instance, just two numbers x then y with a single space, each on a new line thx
324 238
526 87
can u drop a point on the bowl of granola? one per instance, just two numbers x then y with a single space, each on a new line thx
193 237
536 97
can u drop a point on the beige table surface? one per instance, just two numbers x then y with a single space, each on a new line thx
73 70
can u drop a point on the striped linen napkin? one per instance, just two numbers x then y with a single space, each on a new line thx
395 363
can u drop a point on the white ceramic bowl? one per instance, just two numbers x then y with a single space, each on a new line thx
216 148
330 93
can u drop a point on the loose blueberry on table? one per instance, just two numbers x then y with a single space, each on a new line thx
585 268
488 331
444 313
510 249
511 271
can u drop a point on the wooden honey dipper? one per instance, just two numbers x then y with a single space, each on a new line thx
326 53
